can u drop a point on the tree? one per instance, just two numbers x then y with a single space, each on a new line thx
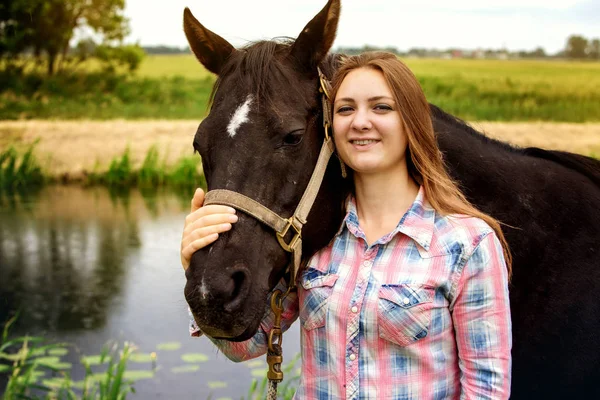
46 27
594 49
576 47
538 53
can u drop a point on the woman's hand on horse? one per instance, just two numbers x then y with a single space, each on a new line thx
203 225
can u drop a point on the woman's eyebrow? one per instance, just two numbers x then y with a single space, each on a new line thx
375 98
370 99
345 100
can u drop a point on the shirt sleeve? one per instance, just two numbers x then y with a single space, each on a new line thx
256 346
481 317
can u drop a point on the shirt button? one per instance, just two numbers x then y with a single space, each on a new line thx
354 309
368 263
406 300
352 357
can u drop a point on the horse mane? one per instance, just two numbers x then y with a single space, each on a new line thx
586 166
257 64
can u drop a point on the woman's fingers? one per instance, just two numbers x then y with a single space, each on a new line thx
207 210
209 220
203 226
197 200
201 233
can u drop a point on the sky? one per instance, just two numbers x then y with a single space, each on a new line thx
404 24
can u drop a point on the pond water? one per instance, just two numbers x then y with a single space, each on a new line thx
92 266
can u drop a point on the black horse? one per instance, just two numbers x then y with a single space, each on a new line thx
262 137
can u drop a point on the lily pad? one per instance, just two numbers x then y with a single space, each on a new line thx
94 360
39 352
58 352
54 383
194 357
97 377
78 385
255 364
137 375
259 373
37 375
169 346
185 368
217 385
142 357
53 362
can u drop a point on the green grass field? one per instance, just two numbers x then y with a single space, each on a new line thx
177 86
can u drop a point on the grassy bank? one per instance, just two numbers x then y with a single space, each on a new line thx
177 87
159 152
19 170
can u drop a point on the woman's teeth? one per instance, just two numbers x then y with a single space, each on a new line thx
363 142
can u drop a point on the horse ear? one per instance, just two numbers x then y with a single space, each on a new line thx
317 37
210 49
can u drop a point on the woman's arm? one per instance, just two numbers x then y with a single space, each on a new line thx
481 317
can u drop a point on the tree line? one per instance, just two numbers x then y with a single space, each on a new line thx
582 48
41 31
577 47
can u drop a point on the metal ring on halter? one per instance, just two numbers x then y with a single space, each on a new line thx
281 236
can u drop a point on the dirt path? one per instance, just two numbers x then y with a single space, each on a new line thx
76 146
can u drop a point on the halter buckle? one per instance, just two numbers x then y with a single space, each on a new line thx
281 236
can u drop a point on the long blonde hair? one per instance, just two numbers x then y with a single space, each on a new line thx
424 158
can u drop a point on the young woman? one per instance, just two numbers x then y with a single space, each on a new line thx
410 298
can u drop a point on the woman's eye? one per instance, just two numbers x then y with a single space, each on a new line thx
293 138
344 109
383 107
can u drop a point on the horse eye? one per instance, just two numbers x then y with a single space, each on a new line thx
293 138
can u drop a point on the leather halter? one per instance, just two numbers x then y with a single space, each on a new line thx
281 225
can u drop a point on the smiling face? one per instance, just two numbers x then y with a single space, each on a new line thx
368 130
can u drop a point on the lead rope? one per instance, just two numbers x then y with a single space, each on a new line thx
274 350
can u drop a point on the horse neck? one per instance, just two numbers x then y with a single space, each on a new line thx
482 166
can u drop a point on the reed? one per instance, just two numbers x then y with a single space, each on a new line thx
19 170
26 361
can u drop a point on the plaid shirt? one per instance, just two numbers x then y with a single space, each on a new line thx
422 313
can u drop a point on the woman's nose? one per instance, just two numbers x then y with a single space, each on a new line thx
361 121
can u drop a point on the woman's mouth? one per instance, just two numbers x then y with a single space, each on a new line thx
364 144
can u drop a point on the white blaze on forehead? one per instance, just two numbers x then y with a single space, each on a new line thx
239 116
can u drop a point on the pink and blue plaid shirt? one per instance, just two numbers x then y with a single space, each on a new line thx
422 313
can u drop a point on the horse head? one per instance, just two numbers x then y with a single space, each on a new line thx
261 139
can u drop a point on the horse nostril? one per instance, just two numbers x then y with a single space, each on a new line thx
238 278
238 288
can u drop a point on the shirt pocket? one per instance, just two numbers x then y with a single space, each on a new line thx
317 290
404 312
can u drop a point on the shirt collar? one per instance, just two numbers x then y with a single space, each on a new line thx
417 223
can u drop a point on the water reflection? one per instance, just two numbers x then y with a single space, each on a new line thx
62 253
87 266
